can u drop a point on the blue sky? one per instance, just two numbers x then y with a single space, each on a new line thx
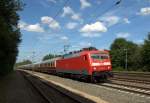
48 25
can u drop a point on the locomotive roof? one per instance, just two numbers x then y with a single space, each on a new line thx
95 51
46 61
83 52
49 60
87 51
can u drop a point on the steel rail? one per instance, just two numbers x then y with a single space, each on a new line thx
125 88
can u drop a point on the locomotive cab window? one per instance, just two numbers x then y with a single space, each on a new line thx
85 57
99 56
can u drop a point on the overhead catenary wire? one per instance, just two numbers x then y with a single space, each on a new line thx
59 11
131 18
125 16
98 15
105 11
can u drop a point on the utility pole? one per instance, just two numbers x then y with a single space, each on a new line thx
66 47
33 55
126 59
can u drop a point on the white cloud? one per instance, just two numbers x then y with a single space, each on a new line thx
110 20
46 19
35 28
65 38
93 30
122 35
53 1
76 17
71 25
140 41
84 4
22 25
84 44
95 27
144 11
126 20
67 11
91 35
31 27
53 24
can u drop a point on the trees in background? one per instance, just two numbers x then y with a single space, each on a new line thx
50 56
9 34
146 54
121 48
25 62
138 56
117 52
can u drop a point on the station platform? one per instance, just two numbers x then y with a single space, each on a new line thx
15 89
95 92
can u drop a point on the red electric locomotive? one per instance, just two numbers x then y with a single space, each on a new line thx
92 65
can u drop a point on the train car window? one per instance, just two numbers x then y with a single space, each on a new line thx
51 64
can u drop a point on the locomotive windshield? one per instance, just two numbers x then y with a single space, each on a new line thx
100 56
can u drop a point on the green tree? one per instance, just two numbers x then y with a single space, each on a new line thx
49 56
23 63
118 51
9 34
136 59
146 54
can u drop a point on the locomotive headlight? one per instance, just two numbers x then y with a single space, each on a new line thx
94 68
95 64
106 63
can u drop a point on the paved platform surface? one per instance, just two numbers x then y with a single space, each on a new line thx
15 89
107 94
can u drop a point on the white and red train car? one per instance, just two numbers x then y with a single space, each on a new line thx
92 65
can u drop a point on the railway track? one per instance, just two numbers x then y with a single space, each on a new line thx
136 77
133 75
138 83
50 93
142 81
121 84
126 88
